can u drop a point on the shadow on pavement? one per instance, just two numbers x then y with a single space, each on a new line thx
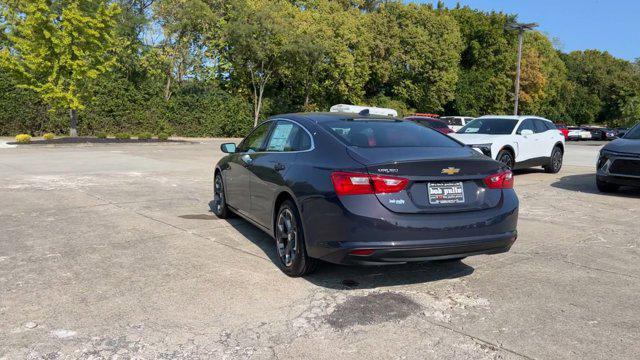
586 183
358 277
528 171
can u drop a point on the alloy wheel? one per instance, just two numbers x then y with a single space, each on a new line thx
557 160
506 159
218 195
287 237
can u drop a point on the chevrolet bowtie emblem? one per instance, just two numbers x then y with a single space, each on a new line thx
450 171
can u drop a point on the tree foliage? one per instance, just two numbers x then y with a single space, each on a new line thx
215 67
56 46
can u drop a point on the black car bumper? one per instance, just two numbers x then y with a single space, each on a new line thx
619 180
395 252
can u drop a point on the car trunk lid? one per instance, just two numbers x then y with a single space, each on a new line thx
447 179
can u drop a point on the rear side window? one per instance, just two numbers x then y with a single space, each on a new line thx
288 136
550 125
539 125
378 133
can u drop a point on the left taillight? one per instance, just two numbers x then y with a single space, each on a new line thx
349 183
501 180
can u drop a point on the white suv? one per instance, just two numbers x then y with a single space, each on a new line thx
517 141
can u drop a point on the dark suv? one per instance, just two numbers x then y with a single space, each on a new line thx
619 162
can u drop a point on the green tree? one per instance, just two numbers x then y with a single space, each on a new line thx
181 52
612 80
414 56
257 42
57 45
631 111
543 76
487 63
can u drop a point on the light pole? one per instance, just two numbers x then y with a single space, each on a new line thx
521 27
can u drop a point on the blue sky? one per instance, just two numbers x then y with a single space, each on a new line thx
612 25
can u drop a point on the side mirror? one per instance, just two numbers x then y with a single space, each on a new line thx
526 132
228 148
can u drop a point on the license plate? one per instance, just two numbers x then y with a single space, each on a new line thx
441 193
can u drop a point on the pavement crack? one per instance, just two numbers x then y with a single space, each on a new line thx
598 269
480 340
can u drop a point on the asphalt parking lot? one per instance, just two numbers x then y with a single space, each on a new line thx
110 251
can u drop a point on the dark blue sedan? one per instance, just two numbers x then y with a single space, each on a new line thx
364 189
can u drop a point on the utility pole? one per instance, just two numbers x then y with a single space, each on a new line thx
521 27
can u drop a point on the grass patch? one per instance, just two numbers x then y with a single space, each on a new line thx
123 136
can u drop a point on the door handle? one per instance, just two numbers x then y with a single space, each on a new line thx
278 167
246 159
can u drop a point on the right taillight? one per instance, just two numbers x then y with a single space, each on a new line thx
348 183
501 180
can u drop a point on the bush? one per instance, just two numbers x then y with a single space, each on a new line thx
163 136
101 135
23 138
144 136
123 136
114 104
48 136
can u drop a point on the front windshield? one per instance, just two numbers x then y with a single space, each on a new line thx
489 126
634 133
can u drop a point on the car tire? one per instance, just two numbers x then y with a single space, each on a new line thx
605 187
219 204
507 158
555 161
290 242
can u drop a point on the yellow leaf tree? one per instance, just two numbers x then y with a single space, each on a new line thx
57 46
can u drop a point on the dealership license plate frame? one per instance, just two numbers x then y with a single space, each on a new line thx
438 195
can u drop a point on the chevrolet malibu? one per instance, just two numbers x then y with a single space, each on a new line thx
365 189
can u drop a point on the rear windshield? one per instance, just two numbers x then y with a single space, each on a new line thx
490 126
431 123
387 133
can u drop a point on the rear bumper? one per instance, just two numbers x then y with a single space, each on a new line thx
395 252
335 227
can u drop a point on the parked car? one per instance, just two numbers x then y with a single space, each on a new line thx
435 124
355 189
597 133
577 133
456 122
563 130
619 162
610 134
516 141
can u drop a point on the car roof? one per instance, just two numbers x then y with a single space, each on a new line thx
513 117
